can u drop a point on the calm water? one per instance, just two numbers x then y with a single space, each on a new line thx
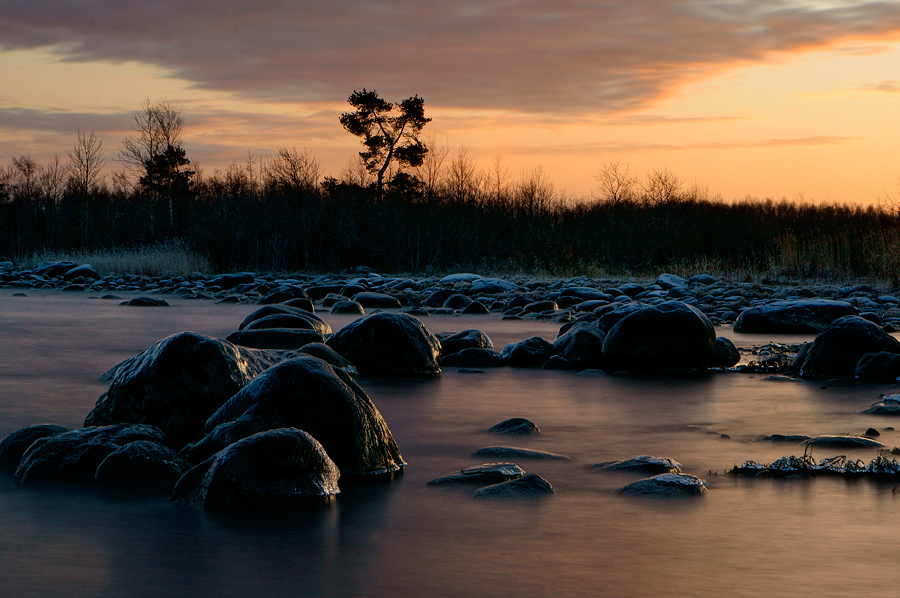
822 537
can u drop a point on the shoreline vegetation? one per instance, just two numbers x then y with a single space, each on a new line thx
416 208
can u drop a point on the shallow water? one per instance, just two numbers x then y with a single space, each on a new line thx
825 537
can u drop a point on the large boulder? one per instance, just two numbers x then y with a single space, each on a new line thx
141 467
802 316
838 349
388 344
582 344
281 339
298 318
177 384
308 394
276 468
881 367
669 335
15 444
73 457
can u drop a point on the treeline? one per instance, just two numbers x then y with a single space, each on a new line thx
279 213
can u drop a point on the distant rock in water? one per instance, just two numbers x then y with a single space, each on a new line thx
273 469
529 486
453 342
889 405
845 442
275 338
389 344
512 452
146 302
516 426
643 464
530 353
801 316
666 485
481 475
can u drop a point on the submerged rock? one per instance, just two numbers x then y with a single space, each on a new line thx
666 485
146 302
889 405
516 426
513 452
845 442
272 469
529 486
481 475
644 464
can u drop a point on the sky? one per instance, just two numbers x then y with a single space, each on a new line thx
796 99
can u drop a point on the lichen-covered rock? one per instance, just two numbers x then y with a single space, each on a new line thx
666 485
308 394
73 457
177 384
838 349
389 344
481 475
272 469
669 335
529 486
800 316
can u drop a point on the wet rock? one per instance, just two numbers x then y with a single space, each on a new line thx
530 353
585 294
837 350
73 457
329 356
275 338
284 294
669 335
724 353
374 300
14 445
536 307
439 297
481 475
177 384
582 344
516 426
140 468
453 342
348 307
513 452
666 485
476 308
389 344
312 321
299 321
871 433
791 438
457 301
227 282
304 303
146 302
529 486
881 367
845 442
800 316
473 358
309 394
643 464
889 405
272 469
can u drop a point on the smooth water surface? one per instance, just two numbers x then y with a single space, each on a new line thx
745 537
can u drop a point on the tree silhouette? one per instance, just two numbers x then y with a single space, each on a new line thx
390 132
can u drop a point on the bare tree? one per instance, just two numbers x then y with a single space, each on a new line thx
662 187
499 177
462 177
53 181
86 161
431 171
25 175
292 171
617 185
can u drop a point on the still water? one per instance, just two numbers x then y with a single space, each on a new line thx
745 537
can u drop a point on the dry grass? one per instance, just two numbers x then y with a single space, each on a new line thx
152 260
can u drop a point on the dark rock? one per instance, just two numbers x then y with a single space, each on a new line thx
314 322
582 343
802 316
284 294
643 464
14 445
453 342
83 271
513 452
529 486
493 286
671 281
793 438
226 282
669 335
141 467
275 338
889 405
871 433
457 301
516 426
299 321
376 300
536 307
309 394
348 307
481 475
304 303
702 279
388 344
53 269
72 457
585 294
530 353
272 469
473 358
437 298
146 302
476 308
177 384
881 366
666 485
724 353
329 356
606 321
837 350
845 442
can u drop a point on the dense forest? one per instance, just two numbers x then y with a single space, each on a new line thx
435 211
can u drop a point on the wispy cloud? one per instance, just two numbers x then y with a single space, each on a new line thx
539 57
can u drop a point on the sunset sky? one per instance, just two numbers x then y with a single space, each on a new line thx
767 98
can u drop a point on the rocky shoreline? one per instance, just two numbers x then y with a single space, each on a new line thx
273 415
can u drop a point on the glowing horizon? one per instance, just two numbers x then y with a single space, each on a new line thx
780 99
